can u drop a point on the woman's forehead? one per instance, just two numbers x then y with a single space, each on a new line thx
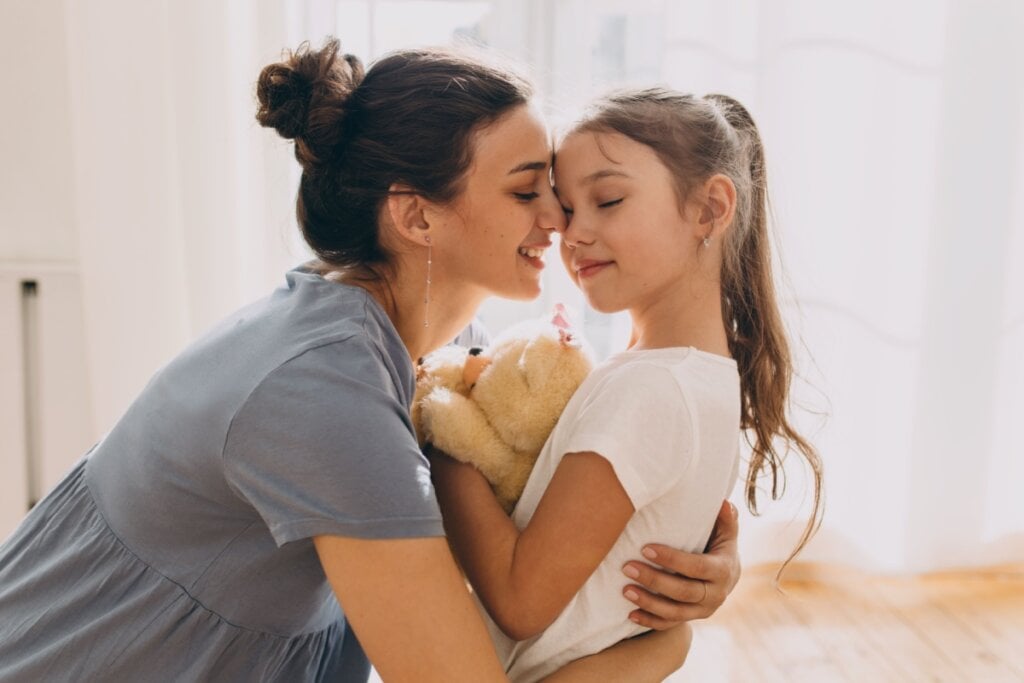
515 143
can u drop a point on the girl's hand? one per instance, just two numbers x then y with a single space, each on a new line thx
685 586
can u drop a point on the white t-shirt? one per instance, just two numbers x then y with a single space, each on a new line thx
668 422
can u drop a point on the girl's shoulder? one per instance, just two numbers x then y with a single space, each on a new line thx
684 374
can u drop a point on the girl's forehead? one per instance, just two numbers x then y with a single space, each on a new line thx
594 148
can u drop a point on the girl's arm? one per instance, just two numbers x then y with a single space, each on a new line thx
410 609
525 579
652 656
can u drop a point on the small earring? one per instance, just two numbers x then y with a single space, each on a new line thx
706 242
426 295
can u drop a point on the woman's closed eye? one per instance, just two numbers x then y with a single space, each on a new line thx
609 204
526 196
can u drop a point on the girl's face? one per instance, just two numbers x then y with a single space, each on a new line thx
627 244
504 217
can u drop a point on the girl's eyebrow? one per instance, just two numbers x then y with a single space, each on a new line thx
604 173
597 175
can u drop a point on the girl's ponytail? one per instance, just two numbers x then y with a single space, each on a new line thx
757 336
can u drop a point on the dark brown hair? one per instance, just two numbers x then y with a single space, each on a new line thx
695 138
409 120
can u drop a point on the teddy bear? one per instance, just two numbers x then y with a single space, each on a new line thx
494 408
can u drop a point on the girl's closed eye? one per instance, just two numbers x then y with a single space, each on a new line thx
526 196
610 203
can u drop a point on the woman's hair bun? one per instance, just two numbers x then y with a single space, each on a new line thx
304 96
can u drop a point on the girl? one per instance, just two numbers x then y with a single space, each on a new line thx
667 218
273 460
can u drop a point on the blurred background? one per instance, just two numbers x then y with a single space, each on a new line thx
140 202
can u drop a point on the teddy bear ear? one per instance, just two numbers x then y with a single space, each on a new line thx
560 317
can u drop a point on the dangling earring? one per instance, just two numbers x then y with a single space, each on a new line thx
426 295
706 241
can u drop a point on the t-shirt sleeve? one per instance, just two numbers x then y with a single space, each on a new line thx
638 420
323 445
474 335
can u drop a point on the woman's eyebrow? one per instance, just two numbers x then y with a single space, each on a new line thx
529 166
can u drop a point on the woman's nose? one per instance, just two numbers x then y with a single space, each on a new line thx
551 215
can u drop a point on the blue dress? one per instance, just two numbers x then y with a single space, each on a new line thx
180 547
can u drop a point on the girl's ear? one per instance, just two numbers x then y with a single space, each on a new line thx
719 204
408 211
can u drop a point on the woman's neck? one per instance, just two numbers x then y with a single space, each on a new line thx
424 325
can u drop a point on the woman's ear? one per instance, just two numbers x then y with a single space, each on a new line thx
408 211
719 205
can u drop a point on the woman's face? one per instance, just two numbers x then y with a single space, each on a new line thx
626 244
503 219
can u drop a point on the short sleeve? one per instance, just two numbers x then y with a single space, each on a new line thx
638 420
474 335
323 445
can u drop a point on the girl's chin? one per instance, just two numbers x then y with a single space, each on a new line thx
601 304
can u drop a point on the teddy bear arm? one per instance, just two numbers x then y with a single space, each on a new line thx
458 427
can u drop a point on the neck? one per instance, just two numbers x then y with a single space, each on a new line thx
449 310
690 314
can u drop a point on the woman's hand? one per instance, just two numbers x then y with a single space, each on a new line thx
685 586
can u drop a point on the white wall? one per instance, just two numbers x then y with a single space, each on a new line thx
46 413
139 192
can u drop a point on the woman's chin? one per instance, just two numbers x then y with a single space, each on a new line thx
525 291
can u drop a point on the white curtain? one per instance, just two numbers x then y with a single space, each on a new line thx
894 134
894 137
183 203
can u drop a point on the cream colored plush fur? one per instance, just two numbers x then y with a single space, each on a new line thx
496 410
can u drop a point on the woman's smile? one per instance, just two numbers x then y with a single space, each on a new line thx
533 254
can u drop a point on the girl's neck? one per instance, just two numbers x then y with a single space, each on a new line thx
690 315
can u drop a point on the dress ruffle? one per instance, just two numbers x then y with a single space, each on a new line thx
77 604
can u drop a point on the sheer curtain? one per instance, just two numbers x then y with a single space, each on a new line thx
183 204
894 140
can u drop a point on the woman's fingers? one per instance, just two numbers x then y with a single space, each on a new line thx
660 613
679 600
686 586
673 586
650 621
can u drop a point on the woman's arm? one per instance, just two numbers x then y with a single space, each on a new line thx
685 586
652 656
525 579
410 609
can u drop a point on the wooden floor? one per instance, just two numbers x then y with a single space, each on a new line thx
837 625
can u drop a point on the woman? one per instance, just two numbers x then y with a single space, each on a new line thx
273 460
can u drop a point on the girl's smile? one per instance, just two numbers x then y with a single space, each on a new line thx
587 268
